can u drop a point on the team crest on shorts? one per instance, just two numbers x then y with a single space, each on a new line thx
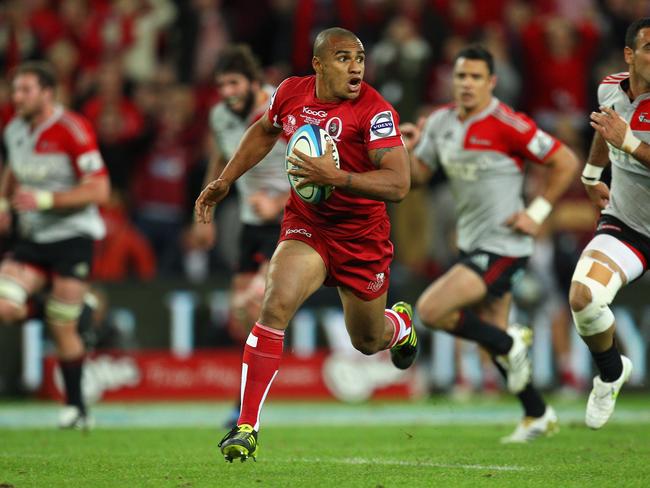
375 286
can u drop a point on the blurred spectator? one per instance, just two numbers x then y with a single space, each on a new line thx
110 96
160 186
97 29
558 56
45 22
149 18
124 253
508 88
400 62
64 58
439 87
18 42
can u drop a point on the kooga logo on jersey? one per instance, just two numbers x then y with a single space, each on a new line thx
315 113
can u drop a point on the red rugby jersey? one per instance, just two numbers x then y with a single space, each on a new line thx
359 125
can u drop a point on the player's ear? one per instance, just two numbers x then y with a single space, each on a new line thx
493 81
316 64
628 54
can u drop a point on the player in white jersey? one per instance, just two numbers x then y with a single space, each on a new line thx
53 183
481 145
262 191
620 251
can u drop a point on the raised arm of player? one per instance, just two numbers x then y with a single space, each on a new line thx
562 166
389 182
598 159
258 140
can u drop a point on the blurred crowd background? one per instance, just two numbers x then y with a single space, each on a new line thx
142 72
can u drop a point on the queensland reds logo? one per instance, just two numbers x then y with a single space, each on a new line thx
334 127
289 125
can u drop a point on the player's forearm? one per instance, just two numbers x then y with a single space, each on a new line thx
420 173
258 140
215 167
382 184
642 154
564 166
93 190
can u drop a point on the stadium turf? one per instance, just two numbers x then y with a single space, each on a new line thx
368 455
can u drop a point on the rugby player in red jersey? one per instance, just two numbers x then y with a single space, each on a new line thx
54 181
481 144
343 241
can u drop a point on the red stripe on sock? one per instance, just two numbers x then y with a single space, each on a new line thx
391 315
262 355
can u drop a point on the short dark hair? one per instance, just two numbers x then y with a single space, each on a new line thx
477 52
42 70
324 36
238 58
633 30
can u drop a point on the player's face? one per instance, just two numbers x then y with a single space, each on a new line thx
639 58
29 97
472 84
236 90
341 68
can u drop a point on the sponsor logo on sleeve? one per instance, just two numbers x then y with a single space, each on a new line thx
382 125
90 162
541 144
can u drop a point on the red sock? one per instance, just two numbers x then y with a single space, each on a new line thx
260 365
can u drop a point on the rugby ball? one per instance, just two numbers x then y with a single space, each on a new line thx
312 141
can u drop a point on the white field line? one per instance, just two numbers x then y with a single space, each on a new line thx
391 462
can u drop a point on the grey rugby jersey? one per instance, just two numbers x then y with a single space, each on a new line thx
483 158
630 186
55 156
268 175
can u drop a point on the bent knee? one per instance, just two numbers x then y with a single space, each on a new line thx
367 345
428 313
579 296
435 318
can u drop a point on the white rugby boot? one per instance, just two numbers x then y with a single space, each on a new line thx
530 428
516 362
71 417
602 398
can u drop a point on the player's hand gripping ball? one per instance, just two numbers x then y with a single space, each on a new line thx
311 140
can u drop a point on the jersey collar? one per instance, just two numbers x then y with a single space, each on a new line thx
47 123
494 103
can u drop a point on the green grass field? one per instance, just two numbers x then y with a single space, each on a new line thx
456 446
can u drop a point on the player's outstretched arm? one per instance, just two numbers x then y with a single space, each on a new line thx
598 160
93 189
258 140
